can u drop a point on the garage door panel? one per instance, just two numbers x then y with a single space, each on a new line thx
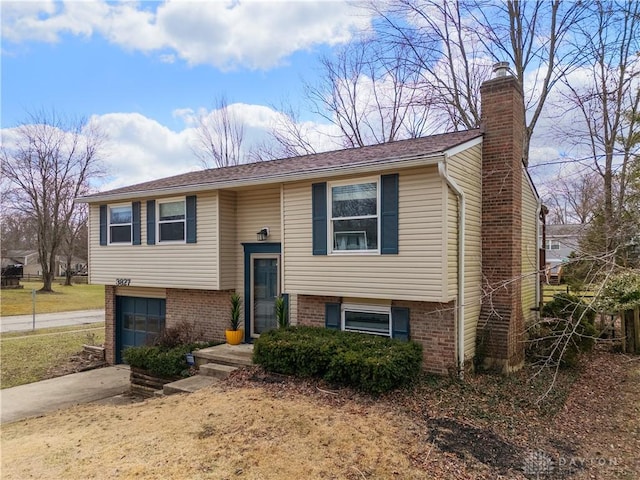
138 322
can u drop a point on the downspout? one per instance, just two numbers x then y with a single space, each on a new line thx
442 171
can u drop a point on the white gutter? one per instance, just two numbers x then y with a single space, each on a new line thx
442 171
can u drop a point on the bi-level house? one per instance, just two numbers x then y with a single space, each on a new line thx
432 239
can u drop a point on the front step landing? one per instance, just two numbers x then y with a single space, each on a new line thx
188 385
214 364
216 370
224 354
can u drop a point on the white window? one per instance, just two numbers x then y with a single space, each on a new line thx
373 319
120 221
553 245
354 222
171 220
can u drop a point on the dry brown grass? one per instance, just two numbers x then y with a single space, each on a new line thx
260 426
245 433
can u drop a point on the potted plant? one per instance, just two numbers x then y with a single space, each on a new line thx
281 312
235 333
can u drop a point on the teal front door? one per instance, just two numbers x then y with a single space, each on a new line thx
265 281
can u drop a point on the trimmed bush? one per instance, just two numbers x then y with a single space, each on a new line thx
565 331
366 362
162 361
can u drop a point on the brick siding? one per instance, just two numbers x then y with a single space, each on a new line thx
501 325
207 310
431 324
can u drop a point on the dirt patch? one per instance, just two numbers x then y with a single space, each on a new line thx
464 440
78 362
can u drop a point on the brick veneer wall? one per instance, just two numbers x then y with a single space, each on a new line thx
432 325
501 327
207 310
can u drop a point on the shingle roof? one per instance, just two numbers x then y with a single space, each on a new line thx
569 229
313 164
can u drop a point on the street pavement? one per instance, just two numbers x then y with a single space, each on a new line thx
17 323
35 399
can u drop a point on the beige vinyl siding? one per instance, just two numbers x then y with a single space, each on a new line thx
176 265
255 208
529 249
416 273
228 243
466 169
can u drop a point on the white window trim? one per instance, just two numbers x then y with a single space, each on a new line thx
109 224
158 221
354 307
330 219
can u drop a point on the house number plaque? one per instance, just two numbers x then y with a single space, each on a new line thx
123 282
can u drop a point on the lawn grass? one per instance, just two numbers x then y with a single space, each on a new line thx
64 299
26 357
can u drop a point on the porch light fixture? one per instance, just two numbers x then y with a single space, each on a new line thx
263 234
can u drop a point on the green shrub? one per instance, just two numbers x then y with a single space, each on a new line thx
162 361
565 331
366 362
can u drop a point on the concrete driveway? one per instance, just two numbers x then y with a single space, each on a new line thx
38 398
16 323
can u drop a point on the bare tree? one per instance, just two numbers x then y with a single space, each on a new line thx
219 137
605 105
75 243
370 92
454 44
574 198
47 163
289 136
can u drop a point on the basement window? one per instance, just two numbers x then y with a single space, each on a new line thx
372 319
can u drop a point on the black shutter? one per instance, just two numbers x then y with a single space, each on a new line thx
285 297
151 222
332 316
400 323
389 214
191 219
135 213
319 218
103 224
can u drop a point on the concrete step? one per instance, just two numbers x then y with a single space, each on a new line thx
216 370
188 385
233 355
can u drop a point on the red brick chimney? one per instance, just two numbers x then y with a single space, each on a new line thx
501 326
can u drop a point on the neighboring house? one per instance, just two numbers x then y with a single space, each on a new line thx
560 242
431 239
29 260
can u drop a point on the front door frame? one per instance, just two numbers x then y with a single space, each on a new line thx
249 250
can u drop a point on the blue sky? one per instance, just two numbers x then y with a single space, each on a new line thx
144 70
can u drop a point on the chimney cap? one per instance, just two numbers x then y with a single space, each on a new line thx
500 69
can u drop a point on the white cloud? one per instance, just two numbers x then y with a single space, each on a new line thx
140 149
253 34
